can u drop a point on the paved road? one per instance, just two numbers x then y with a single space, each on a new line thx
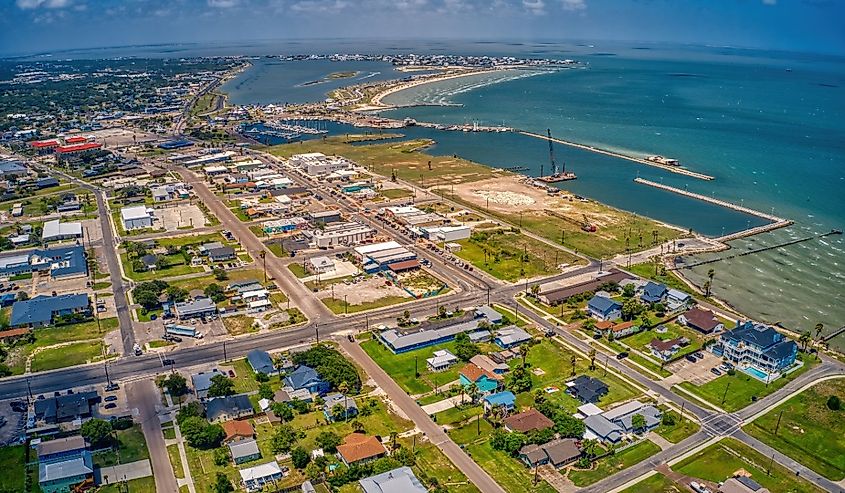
432 430
144 396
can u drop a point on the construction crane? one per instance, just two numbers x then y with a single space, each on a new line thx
587 225
555 177
552 152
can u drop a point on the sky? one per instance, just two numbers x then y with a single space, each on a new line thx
35 26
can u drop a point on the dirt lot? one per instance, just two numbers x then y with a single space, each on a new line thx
121 137
364 291
180 216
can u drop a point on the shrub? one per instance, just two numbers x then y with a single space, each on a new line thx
834 403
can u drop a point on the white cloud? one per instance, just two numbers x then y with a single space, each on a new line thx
536 7
320 6
223 4
47 4
574 4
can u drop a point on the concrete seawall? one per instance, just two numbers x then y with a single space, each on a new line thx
671 169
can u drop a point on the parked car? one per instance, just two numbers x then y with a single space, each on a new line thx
622 355
168 362
715 371
691 358
110 398
110 405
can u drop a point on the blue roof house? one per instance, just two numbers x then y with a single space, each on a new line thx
604 308
260 361
758 346
504 400
305 377
42 310
653 292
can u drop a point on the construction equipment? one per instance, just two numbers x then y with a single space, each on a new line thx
587 225
555 176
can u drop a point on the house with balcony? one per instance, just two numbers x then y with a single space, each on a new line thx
758 346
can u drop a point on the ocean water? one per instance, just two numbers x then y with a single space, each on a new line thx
768 126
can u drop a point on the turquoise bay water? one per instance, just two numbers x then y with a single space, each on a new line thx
768 126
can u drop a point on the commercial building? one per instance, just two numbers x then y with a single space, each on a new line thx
400 342
42 310
757 346
196 308
319 265
283 225
318 164
446 233
136 217
65 408
341 234
56 230
556 295
399 480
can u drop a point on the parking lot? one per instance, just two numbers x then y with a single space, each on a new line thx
180 216
697 373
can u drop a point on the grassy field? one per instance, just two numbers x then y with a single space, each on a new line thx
13 464
511 256
740 388
678 431
401 366
71 355
404 158
431 462
809 431
720 460
298 270
339 306
176 267
239 324
396 193
455 415
132 447
612 464
511 474
140 485
49 336
276 248
641 339
657 483
175 461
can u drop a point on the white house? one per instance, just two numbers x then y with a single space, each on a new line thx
319 265
441 360
136 217
254 478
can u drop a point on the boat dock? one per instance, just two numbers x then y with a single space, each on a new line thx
665 167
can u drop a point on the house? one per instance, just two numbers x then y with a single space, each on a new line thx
350 408
441 360
136 217
221 254
600 428
288 394
228 408
486 363
511 336
319 265
65 408
617 330
622 416
43 310
202 382
254 478
304 377
260 361
530 420
757 346
62 476
244 450
587 389
742 484
701 320
357 448
56 230
196 308
500 400
604 308
556 453
677 299
666 349
653 292
237 429
399 480
61 449
486 381
489 313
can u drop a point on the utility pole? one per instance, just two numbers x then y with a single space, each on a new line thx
725 396
778 423
416 369
224 352
606 363
683 404
488 295
317 331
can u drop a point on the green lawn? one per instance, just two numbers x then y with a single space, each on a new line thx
401 366
101 285
612 464
191 240
471 432
641 339
339 306
431 462
298 270
131 447
276 248
173 269
244 376
740 388
140 485
809 431
396 193
49 336
13 463
456 415
169 433
175 461
719 461
74 354
511 474
678 431
511 256
657 483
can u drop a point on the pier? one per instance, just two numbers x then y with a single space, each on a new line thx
758 250
664 167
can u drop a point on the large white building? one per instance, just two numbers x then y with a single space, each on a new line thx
56 230
318 164
348 233
136 217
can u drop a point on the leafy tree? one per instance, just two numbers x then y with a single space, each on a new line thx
176 294
261 377
22 296
404 456
221 385
265 391
175 384
631 308
507 442
220 274
465 349
300 457
222 484
638 422
200 433
541 436
282 411
668 419
338 412
519 380
628 291
189 410
300 406
284 439
328 441
314 470
834 403
215 292
221 456
567 426
96 431
331 365
384 464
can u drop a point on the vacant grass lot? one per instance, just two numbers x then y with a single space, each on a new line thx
401 366
339 306
511 256
432 462
740 388
13 464
510 473
678 431
49 336
176 266
612 464
809 431
132 447
70 355
720 460
657 483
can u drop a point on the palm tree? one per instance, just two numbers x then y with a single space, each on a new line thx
589 447
263 255
819 330
592 358
535 290
572 360
343 388
523 351
805 340
457 389
474 392
709 284
393 436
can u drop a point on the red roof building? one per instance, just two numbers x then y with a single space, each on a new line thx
76 140
70 149
44 144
